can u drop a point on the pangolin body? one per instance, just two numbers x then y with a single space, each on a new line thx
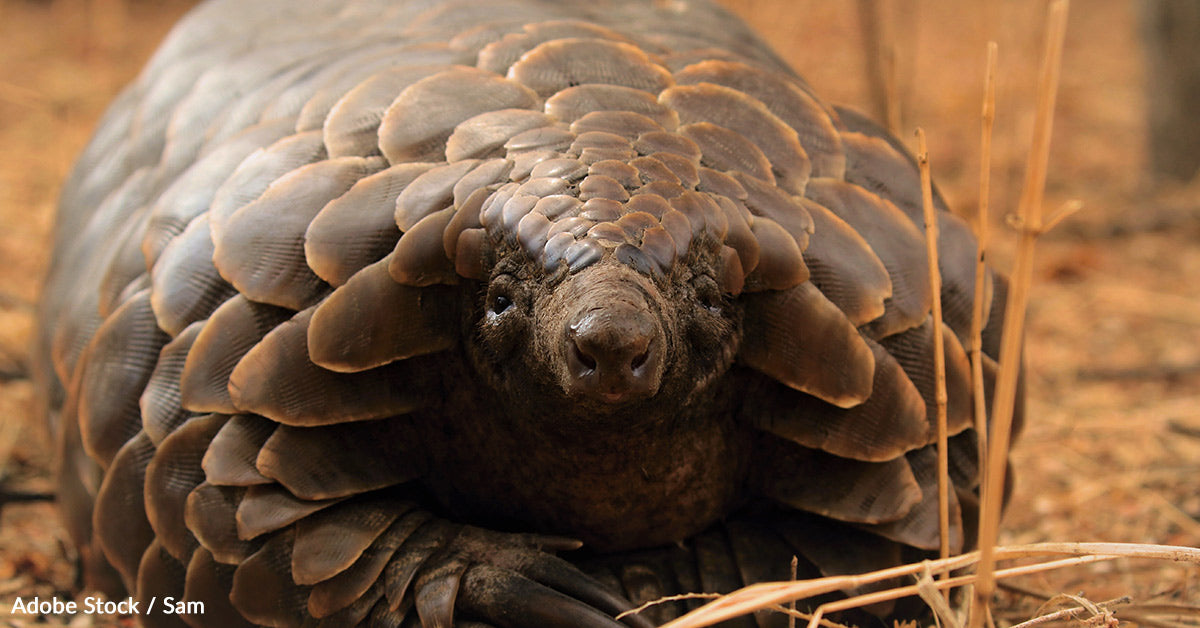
416 312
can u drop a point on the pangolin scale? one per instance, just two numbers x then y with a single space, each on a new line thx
478 313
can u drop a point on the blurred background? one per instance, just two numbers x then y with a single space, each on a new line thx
1111 451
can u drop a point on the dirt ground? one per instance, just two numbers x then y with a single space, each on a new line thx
1111 451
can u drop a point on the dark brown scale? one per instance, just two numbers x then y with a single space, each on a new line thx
520 314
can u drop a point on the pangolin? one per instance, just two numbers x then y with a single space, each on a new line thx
494 313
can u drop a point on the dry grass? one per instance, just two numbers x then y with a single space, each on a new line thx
1111 451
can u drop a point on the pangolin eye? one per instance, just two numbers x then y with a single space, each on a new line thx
501 295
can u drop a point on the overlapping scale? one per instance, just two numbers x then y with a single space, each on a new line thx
235 327
913 349
266 508
749 118
845 268
564 143
889 423
258 171
484 135
122 529
185 285
277 379
209 582
171 476
839 488
160 577
781 263
275 98
803 341
211 515
125 271
789 212
338 78
875 164
895 240
431 191
417 124
330 541
352 126
351 584
919 527
785 98
724 150
233 453
334 461
192 192
210 96
120 360
263 590
498 56
561 63
260 250
957 251
624 123
839 551
358 227
373 320
160 402
574 103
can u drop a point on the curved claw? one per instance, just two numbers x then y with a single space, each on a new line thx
528 555
564 577
400 573
510 600
549 543
437 587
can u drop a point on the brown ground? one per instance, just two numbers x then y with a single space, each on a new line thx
1112 450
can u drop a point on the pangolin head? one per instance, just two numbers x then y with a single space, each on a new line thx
610 262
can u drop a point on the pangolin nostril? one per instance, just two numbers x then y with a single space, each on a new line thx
584 359
640 360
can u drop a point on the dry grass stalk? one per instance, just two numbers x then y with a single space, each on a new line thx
792 604
939 356
875 18
1030 214
771 594
937 600
981 234
1096 609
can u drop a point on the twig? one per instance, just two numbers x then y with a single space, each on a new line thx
939 356
928 592
1064 211
1030 211
880 52
793 615
767 594
981 234
669 598
792 604
1071 613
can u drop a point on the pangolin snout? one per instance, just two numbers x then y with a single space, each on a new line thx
614 350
